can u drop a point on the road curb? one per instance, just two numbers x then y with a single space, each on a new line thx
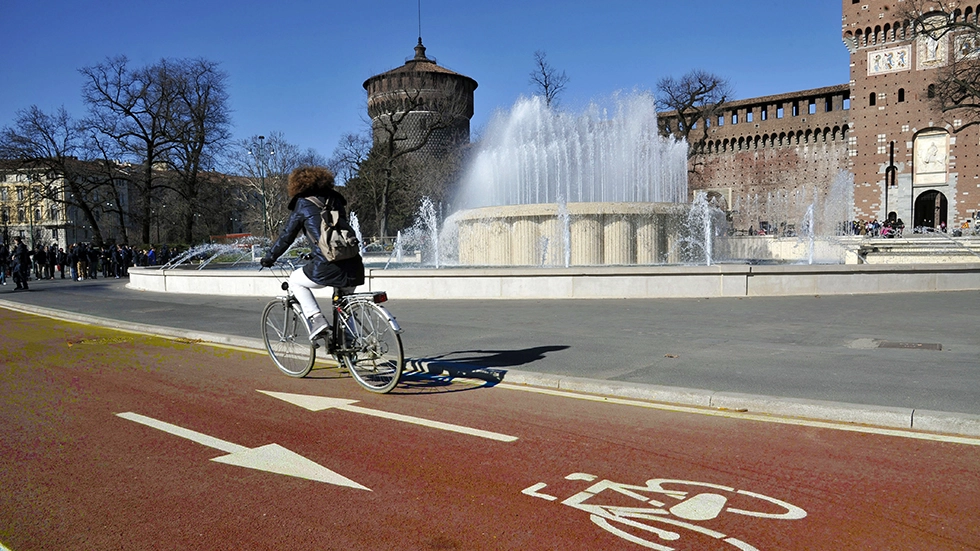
960 424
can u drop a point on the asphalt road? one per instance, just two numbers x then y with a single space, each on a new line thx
909 350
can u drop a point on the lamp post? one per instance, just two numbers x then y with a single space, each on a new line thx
30 206
262 154
890 173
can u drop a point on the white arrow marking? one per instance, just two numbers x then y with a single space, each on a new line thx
271 458
317 403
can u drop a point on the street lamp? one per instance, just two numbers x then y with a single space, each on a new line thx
30 206
262 154
890 173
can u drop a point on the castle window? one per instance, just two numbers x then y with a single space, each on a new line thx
901 95
721 120
748 116
847 103
873 99
828 105
812 108
734 118
765 113
779 112
796 109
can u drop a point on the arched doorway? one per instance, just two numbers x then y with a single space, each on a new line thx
930 210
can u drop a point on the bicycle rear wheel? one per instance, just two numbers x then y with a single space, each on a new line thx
287 339
372 350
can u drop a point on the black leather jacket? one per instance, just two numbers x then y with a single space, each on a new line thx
305 218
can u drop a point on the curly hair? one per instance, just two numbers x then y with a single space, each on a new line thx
309 180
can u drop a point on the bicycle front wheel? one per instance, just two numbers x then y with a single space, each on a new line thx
372 350
287 339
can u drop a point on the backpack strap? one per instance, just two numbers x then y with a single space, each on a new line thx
334 214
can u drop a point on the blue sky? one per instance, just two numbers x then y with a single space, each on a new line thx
297 66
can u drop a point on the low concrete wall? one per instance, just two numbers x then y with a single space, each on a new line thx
594 282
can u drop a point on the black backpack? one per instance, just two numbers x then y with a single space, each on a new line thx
338 240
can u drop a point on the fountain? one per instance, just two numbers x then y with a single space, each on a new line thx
602 185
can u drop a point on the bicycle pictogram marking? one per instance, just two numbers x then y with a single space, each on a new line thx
671 509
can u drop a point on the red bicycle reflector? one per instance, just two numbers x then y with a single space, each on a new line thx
380 297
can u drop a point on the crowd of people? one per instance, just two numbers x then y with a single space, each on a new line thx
891 227
20 263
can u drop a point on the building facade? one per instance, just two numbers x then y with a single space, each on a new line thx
26 211
908 159
37 206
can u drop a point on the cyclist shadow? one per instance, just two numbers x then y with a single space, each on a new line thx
438 372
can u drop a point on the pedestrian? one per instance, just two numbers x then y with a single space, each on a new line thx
62 259
4 262
106 261
93 262
40 262
21 264
52 256
81 253
317 183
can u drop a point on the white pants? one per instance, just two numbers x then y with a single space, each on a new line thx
302 288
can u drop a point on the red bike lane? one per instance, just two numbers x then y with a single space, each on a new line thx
118 441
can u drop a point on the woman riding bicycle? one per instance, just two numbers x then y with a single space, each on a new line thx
304 183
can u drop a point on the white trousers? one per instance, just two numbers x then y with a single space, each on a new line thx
302 287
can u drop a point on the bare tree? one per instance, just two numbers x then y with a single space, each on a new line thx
546 80
133 107
200 131
263 164
48 148
351 151
169 120
956 88
692 102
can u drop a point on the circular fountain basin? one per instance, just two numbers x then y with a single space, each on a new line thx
576 234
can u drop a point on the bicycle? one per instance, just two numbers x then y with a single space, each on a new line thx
364 337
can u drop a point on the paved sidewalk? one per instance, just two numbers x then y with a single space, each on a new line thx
897 360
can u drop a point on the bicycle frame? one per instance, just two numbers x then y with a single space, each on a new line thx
341 312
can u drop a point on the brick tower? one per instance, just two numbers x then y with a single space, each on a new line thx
907 157
421 102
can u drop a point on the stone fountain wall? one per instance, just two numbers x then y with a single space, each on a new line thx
594 234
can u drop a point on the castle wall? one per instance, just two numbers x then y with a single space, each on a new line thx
765 158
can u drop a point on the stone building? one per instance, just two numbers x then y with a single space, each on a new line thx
26 210
881 127
37 205
936 159
421 105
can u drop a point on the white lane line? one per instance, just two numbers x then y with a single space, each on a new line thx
431 424
750 416
191 435
318 403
